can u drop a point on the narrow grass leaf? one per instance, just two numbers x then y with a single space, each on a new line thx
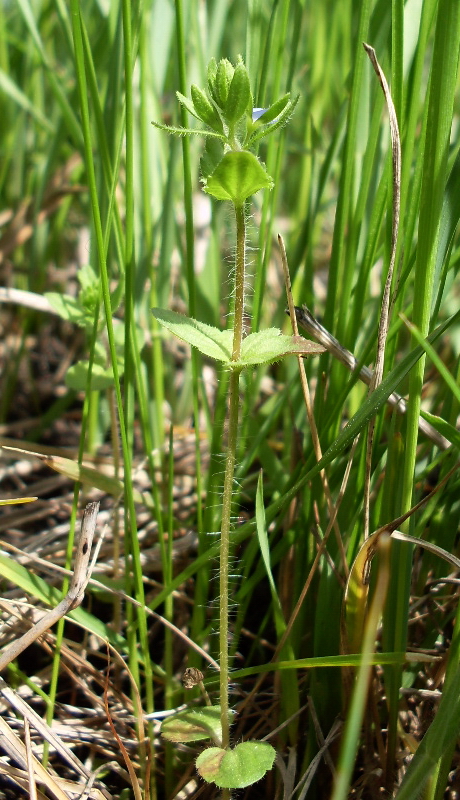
11 90
437 361
37 587
377 399
265 552
443 427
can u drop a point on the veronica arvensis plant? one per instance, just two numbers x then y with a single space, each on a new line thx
230 171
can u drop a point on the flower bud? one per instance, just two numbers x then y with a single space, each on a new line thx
224 75
239 94
205 109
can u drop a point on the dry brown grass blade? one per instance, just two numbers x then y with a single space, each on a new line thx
30 766
333 511
20 297
19 778
56 569
23 223
74 791
45 732
307 321
385 309
16 750
73 597
358 583
129 765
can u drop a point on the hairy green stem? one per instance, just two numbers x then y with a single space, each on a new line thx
240 275
233 415
225 551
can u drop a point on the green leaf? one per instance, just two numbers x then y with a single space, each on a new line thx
237 176
193 725
101 377
212 155
188 105
87 277
273 111
234 769
264 347
209 340
186 131
67 307
271 127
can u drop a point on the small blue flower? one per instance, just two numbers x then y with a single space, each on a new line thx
257 112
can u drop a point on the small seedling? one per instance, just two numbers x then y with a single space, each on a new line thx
230 171
81 311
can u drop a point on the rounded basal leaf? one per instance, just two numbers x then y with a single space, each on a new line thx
234 769
209 340
209 762
265 347
101 377
193 725
237 176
